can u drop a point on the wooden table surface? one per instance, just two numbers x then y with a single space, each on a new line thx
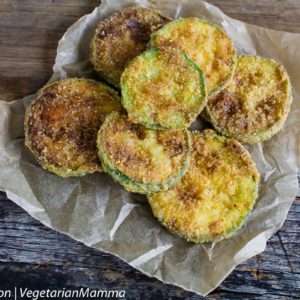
36 257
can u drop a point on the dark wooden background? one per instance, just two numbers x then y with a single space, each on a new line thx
36 257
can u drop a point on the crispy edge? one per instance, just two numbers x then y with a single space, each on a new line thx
260 135
235 227
128 183
93 44
60 171
157 126
219 87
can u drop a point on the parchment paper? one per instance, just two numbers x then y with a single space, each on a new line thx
98 212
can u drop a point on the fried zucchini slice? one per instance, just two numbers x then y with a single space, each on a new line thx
121 37
255 105
61 125
142 160
207 44
214 197
163 89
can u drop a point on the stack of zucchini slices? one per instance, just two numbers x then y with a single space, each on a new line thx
200 185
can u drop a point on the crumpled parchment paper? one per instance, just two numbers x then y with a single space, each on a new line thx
98 212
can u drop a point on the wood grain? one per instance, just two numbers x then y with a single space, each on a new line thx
34 256
29 33
275 14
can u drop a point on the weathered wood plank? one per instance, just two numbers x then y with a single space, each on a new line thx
28 246
29 33
275 14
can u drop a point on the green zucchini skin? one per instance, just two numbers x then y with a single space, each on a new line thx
133 184
280 94
180 34
215 196
150 100
127 33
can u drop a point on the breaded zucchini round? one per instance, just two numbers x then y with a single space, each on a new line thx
120 37
255 104
163 89
142 160
61 125
214 197
207 44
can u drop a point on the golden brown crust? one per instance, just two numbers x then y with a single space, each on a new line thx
142 154
213 198
121 37
163 89
62 124
256 101
207 44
